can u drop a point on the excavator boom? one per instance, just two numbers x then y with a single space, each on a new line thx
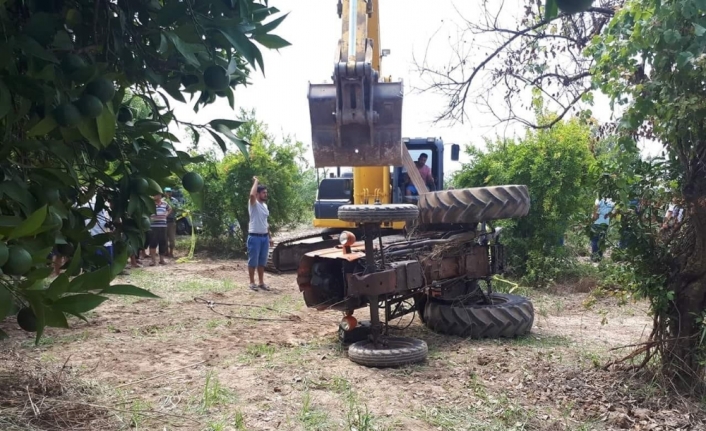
358 118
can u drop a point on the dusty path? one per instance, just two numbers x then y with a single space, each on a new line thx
292 374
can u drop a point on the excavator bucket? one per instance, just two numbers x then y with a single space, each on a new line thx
344 134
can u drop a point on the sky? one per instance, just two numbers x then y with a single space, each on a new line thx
407 26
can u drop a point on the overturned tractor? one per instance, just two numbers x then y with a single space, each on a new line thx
441 270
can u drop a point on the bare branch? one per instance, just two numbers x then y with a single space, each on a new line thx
536 54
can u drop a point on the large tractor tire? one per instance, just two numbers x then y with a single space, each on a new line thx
474 205
378 213
508 316
398 351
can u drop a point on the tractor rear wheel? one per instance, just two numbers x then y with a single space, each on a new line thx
507 316
378 213
396 352
474 205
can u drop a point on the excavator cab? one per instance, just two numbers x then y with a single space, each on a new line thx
356 120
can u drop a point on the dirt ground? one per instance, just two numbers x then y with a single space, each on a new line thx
174 363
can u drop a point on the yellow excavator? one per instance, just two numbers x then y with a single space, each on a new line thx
442 269
356 122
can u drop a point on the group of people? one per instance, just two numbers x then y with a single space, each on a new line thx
602 214
160 239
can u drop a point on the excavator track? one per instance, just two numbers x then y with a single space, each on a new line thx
285 254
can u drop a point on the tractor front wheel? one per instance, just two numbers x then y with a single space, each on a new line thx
391 352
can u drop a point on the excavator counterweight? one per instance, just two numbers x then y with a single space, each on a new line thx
357 119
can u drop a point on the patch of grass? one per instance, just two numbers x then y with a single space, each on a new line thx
476 386
160 332
214 393
258 351
541 342
337 384
494 414
595 359
360 418
46 340
138 408
63 339
236 423
216 323
147 280
311 417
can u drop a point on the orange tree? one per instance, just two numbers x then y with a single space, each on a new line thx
557 166
72 144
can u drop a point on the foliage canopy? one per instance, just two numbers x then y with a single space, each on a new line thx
71 140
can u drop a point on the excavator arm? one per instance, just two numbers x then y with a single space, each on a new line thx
357 120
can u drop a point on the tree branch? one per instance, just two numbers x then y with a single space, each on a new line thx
543 54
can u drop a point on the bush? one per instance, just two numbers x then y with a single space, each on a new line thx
280 166
556 166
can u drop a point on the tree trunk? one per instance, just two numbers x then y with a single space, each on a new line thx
683 357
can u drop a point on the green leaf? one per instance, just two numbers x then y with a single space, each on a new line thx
32 48
271 41
43 127
31 225
231 97
89 130
221 143
6 301
699 30
127 289
40 273
684 58
55 318
240 42
671 36
35 299
59 286
119 262
266 28
5 100
79 303
106 125
172 88
75 262
241 144
186 49
551 10
149 126
70 134
230 124
3 335
94 280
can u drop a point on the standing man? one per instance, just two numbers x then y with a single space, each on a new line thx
158 230
425 171
259 240
171 222
601 220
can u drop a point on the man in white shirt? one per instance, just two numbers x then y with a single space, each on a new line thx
259 240
674 215
103 225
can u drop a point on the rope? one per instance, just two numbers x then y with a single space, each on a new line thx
212 304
